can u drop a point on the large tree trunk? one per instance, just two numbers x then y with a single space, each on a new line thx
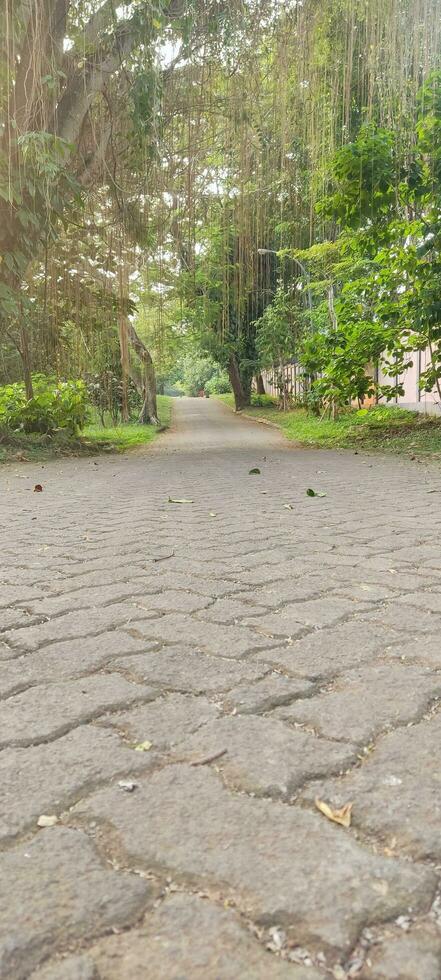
241 391
123 339
149 413
23 350
260 387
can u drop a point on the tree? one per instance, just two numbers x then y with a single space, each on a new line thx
278 333
69 68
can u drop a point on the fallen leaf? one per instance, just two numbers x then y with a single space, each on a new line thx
38 488
143 747
255 471
127 786
173 500
288 507
47 821
212 514
342 816
315 493
435 490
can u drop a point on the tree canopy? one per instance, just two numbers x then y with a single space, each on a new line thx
244 182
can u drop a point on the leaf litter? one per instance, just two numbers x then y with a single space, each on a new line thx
342 815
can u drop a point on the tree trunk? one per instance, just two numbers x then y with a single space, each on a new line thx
23 350
260 387
242 396
149 413
123 339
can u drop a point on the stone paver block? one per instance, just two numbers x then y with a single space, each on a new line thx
366 701
55 890
281 864
415 956
186 938
397 790
49 710
174 600
269 692
402 617
64 661
9 595
85 598
423 649
165 721
85 622
13 618
48 778
365 591
230 610
231 641
315 612
264 756
69 968
6 653
328 652
180 669
213 588
429 601
278 593
283 623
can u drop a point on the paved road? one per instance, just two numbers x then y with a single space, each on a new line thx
181 681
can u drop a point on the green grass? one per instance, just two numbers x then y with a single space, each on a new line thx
22 447
380 429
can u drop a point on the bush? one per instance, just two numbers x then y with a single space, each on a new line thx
219 384
55 405
263 401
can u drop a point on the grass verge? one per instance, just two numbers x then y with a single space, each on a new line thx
379 429
33 446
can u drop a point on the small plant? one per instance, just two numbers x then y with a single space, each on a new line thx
55 405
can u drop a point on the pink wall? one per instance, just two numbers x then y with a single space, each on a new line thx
413 398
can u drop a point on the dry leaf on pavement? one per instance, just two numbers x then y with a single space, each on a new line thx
47 821
341 816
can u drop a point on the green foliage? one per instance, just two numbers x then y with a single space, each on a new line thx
362 179
382 429
277 330
218 384
197 373
55 405
386 280
105 393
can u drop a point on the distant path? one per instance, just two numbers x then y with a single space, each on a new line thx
261 648
207 425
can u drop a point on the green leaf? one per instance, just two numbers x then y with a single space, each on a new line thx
315 493
255 472
143 746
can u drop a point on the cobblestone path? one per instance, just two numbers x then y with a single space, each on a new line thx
181 681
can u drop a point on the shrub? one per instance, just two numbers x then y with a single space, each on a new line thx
219 384
55 405
263 401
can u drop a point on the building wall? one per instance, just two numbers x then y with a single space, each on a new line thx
413 398
293 378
